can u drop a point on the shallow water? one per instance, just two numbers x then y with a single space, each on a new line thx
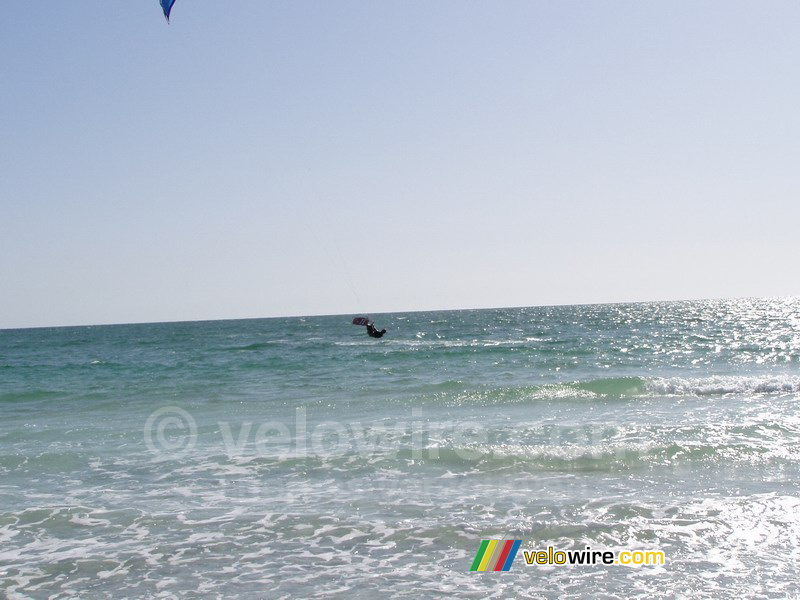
287 458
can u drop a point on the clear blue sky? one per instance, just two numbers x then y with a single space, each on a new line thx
264 158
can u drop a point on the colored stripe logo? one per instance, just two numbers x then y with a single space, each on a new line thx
495 555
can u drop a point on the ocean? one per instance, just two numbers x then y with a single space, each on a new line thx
299 458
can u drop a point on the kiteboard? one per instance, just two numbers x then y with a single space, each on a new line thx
361 321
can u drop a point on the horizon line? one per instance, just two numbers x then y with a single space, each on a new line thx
387 312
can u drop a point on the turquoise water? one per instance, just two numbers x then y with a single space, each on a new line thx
298 458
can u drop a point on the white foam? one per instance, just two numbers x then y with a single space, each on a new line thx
724 385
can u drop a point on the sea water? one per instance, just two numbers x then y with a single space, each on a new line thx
299 458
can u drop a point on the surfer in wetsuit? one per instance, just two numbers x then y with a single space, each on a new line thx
374 332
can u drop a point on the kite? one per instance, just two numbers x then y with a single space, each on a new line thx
167 6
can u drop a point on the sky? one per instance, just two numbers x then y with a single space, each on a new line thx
266 158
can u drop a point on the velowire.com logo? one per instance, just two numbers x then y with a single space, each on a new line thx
498 555
495 555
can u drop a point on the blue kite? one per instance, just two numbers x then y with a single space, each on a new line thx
167 6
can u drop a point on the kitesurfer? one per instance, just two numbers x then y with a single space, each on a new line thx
374 332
